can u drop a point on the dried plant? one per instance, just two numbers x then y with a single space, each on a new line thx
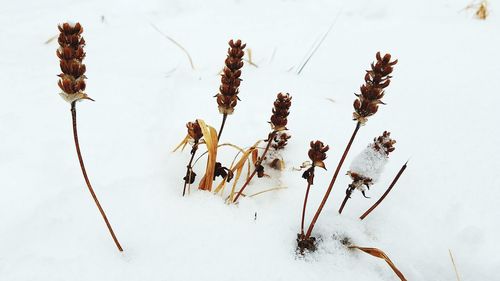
195 134
481 9
381 255
72 83
368 165
317 154
393 183
227 98
278 123
365 105
372 92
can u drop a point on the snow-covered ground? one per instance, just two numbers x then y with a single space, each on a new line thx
441 108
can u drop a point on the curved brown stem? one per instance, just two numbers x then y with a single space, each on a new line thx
259 162
224 117
385 193
337 170
304 208
87 181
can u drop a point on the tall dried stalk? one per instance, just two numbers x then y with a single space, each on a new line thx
72 83
278 123
332 182
87 181
227 98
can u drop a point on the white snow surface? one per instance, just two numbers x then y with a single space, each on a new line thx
441 105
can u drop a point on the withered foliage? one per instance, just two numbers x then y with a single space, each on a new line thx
71 54
372 92
281 111
227 98
317 154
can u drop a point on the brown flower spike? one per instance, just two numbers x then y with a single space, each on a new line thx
194 131
71 54
227 98
384 142
372 92
317 154
281 112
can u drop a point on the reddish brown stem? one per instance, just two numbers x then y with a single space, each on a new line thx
224 117
84 172
347 196
258 163
385 193
330 187
304 209
189 167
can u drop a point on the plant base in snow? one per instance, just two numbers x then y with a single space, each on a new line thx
305 244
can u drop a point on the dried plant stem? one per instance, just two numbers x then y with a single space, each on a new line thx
190 167
454 265
224 117
84 172
304 209
330 187
259 162
385 193
347 196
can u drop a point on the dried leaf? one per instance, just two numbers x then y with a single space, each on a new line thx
210 137
183 143
379 254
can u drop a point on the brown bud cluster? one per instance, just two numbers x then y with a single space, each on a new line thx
372 92
359 182
71 54
317 153
281 112
227 98
281 140
194 130
384 143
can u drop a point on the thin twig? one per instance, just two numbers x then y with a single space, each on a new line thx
330 187
347 196
320 42
257 164
189 167
87 181
454 265
177 44
385 193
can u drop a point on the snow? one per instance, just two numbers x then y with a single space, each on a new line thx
441 105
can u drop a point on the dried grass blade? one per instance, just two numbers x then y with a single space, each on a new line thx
239 168
183 143
380 254
268 190
210 137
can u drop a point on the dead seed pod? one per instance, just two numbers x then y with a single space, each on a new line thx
281 111
227 98
372 92
71 55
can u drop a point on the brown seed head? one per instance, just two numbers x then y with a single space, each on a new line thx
71 54
194 130
317 153
281 111
372 92
384 143
281 140
227 98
